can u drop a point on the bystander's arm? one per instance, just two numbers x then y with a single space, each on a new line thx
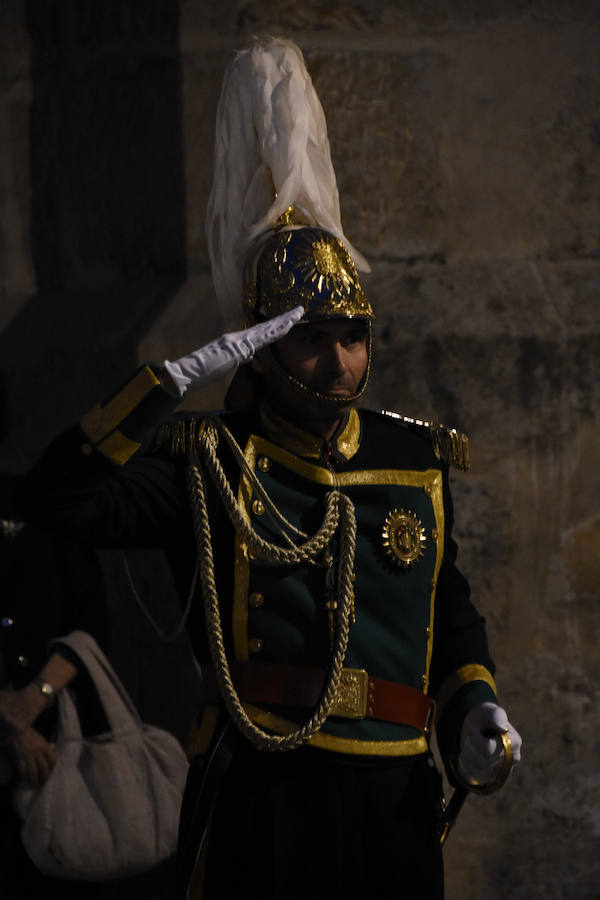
33 756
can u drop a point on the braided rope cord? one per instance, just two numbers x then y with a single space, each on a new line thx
339 511
260 547
278 519
160 632
270 508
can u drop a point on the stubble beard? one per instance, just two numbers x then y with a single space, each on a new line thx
310 413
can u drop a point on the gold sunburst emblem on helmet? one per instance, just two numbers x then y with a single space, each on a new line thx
305 265
330 268
327 271
403 537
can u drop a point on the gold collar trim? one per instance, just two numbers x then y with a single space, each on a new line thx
302 443
348 440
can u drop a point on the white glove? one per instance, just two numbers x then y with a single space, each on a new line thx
213 360
482 753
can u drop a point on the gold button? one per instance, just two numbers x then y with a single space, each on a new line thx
434 534
255 645
86 449
428 632
433 584
424 682
263 464
256 599
258 507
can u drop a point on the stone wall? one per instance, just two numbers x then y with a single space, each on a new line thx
465 137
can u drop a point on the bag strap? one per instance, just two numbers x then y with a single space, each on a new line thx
120 710
69 726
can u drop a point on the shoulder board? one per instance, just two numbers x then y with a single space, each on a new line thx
449 445
179 437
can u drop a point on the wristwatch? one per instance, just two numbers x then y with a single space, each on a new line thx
46 688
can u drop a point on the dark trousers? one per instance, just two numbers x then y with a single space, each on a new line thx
309 823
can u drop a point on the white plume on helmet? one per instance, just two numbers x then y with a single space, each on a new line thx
271 152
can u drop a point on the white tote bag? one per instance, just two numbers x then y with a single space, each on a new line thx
110 808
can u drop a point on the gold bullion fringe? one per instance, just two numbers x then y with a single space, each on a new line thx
180 438
451 446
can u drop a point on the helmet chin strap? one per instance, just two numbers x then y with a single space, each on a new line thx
332 401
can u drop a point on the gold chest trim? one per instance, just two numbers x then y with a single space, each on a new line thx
257 446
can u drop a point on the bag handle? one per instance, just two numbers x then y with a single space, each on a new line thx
120 710
69 726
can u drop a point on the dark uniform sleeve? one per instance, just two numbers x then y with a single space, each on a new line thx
462 671
86 486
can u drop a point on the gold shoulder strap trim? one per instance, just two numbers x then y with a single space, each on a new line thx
99 422
449 445
179 438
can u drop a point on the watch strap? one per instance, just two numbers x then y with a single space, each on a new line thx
45 687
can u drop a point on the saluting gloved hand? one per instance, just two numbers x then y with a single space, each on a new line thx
216 359
482 753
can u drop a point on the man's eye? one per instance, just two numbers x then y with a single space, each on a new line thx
357 338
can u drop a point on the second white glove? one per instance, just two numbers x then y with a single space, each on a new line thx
482 752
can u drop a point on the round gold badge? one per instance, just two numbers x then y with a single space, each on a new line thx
403 537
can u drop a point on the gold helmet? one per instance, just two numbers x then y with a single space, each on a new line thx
306 265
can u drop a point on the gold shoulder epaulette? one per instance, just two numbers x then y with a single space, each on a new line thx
180 437
449 445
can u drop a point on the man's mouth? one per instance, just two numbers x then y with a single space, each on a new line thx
335 389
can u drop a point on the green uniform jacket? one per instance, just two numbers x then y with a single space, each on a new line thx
414 622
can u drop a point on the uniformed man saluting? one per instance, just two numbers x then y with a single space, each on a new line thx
313 539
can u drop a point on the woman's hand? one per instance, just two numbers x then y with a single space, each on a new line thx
34 757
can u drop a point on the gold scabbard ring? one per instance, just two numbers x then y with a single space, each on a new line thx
488 787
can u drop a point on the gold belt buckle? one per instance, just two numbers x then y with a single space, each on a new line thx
351 697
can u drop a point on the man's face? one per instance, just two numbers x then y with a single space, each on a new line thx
329 357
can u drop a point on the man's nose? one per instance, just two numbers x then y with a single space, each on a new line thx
337 362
